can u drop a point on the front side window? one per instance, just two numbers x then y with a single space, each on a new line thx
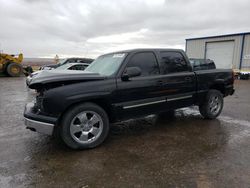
173 62
146 61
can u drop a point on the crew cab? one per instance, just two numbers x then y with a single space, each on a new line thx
79 107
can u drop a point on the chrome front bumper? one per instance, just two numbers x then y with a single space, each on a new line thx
38 126
38 122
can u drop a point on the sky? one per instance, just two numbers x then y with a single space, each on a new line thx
89 28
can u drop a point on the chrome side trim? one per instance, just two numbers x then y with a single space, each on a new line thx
178 98
38 126
144 104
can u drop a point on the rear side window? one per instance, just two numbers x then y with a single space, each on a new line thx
146 61
173 62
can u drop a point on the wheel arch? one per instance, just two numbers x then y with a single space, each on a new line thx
220 86
98 101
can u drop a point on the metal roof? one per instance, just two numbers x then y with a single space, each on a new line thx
216 36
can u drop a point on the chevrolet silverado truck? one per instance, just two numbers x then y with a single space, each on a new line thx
79 107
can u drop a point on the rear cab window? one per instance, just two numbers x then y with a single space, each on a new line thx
173 62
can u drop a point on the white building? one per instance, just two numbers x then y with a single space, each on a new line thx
227 51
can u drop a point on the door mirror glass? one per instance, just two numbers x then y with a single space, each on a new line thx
131 72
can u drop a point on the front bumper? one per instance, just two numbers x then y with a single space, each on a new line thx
38 126
37 122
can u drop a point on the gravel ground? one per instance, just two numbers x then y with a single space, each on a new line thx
186 151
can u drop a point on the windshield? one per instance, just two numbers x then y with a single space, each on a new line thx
61 61
106 64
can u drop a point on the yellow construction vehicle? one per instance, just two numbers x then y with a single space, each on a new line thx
11 64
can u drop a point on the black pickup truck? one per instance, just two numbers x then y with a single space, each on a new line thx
117 86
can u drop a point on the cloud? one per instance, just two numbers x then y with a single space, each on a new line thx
90 28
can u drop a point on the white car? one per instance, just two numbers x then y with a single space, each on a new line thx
68 66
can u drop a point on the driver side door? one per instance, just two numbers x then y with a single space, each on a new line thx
139 95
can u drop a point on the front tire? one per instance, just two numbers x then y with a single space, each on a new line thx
213 105
14 69
84 126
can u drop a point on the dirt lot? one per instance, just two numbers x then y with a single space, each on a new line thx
150 152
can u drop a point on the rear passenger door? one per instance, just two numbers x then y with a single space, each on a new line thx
178 79
139 95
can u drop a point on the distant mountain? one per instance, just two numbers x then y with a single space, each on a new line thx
38 61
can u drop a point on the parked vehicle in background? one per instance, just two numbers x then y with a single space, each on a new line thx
11 64
205 64
119 86
244 75
65 61
202 64
62 68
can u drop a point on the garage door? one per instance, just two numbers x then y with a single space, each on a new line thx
221 53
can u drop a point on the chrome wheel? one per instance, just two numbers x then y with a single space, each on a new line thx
86 127
215 105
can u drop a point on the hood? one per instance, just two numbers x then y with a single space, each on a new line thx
62 77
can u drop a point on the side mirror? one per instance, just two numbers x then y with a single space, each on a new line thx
131 72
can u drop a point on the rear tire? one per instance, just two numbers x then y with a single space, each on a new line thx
213 105
14 69
84 126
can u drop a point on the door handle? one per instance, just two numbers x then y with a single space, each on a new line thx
188 79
